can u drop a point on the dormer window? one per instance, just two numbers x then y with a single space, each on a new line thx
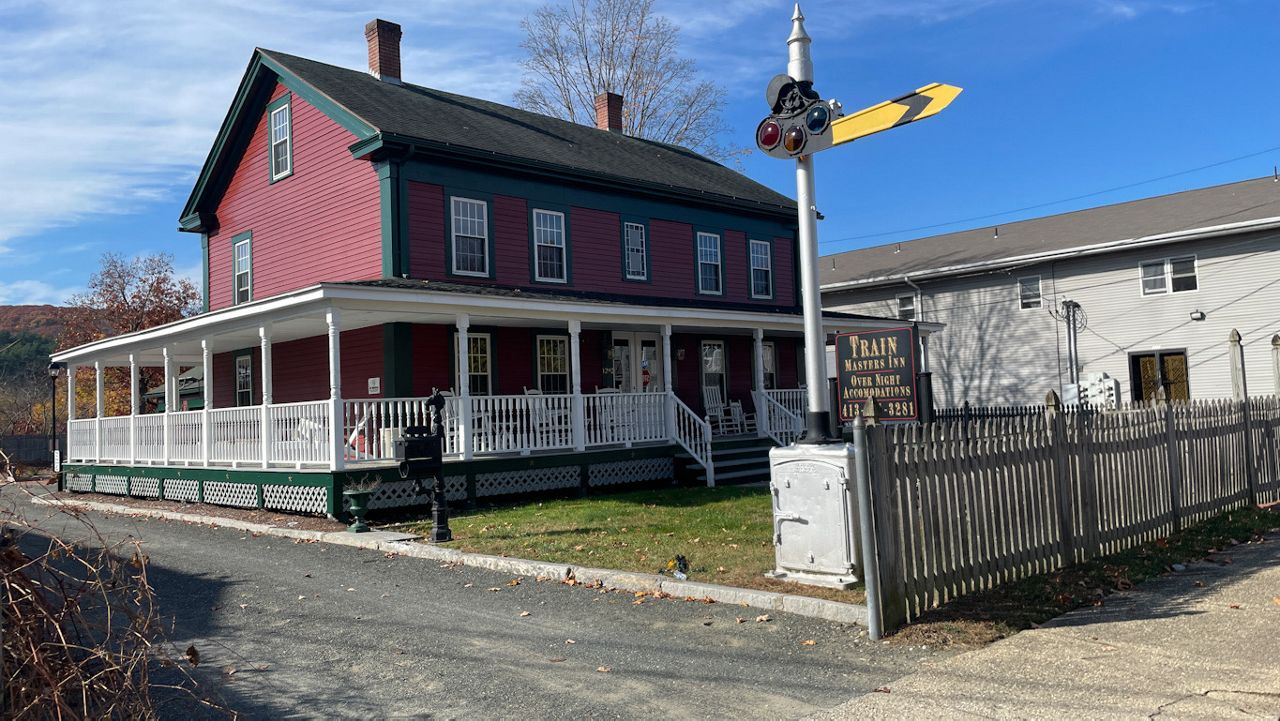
280 127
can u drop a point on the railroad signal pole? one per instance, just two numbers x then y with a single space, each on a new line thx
799 125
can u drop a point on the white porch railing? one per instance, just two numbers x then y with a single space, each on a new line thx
625 418
115 438
186 436
236 435
82 439
370 427
777 421
792 399
694 434
149 430
299 433
520 424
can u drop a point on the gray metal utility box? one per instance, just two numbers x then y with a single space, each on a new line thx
815 514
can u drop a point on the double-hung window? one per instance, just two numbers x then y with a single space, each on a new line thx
907 306
281 141
242 252
479 376
470 237
636 251
761 269
709 276
713 370
244 380
553 364
769 359
1029 292
1170 275
548 246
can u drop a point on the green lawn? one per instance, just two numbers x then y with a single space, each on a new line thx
725 533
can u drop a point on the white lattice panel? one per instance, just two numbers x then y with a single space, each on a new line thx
455 488
306 499
224 493
527 480
180 489
638 471
116 485
79 482
398 494
146 487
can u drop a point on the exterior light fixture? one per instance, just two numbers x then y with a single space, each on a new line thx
1197 315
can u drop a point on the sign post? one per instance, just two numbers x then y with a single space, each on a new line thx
816 483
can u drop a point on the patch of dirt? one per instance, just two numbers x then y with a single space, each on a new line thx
249 515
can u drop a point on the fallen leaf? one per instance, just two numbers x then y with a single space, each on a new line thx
468 585
193 656
603 669
244 606
1235 606
808 642
301 597
229 670
763 618
556 659
1276 600
740 619
350 589
495 589
882 689
1198 584
706 623
569 641
637 602
523 614
513 582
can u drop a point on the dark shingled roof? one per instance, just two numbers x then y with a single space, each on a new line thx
431 115
1219 205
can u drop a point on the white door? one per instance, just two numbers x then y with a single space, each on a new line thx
637 362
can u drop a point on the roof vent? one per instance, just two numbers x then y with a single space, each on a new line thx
384 50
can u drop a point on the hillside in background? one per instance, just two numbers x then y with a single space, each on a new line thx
46 321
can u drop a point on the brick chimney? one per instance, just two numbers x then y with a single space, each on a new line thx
609 112
384 50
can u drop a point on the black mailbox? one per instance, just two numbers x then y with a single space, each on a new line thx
421 454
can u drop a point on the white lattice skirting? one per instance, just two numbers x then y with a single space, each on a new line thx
222 493
527 480
79 482
305 499
637 471
145 487
398 494
116 485
180 489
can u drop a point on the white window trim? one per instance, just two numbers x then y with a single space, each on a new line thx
751 268
1167 262
248 358
537 350
277 173
466 358
453 236
564 247
235 271
644 252
1039 292
915 306
719 262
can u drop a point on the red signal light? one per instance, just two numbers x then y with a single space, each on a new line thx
769 135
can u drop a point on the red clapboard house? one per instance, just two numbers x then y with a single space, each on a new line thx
597 309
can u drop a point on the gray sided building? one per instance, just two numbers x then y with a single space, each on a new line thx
1154 286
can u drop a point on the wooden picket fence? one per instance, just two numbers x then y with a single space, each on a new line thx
963 506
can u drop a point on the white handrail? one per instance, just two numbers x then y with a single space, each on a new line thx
792 399
694 435
777 421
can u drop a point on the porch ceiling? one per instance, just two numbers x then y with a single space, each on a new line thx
302 314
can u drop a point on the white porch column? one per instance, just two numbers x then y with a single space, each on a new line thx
99 406
757 380
264 339
333 320
924 353
465 439
206 430
71 392
666 382
575 376
134 400
168 400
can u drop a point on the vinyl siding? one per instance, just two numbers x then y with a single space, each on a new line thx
300 368
991 352
322 223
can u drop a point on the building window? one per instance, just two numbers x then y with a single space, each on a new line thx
243 271
713 372
479 376
281 141
709 264
761 269
1164 373
1029 292
244 380
470 237
548 246
769 360
907 306
553 364
636 251
1170 275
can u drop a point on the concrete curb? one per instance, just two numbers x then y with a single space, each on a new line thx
620 580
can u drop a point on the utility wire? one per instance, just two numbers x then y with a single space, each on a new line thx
1051 202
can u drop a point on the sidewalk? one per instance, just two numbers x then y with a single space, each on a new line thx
1173 648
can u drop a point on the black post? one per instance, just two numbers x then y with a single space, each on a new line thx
440 531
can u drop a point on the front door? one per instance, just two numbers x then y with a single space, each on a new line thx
1151 372
637 362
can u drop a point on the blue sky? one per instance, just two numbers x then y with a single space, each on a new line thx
108 109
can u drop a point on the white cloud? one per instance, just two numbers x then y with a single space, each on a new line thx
108 106
33 292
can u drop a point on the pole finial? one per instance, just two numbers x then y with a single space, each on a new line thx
799 64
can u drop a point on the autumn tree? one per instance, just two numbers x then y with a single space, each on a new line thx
24 383
126 295
587 47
